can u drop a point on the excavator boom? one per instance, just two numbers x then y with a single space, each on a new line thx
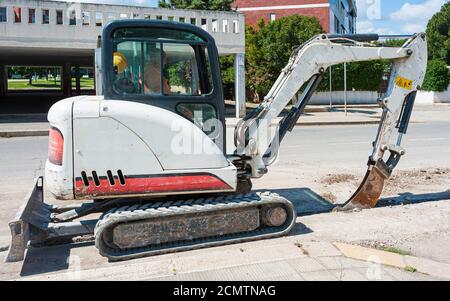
256 140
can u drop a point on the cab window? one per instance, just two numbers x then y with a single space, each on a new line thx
160 66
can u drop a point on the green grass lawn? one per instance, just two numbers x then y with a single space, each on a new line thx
23 84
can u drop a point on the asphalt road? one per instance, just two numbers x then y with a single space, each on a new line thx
307 154
311 147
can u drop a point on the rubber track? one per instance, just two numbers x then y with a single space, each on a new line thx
155 210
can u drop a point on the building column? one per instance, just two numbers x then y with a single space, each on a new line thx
66 80
77 80
3 80
98 69
239 84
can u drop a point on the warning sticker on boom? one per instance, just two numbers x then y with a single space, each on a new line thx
403 82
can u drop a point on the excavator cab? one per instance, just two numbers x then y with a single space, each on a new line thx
165 64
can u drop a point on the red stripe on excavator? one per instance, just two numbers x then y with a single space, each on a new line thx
139 185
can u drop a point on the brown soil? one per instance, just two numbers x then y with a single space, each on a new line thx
329 196
405 179
338 178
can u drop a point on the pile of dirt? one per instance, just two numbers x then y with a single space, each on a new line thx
340 186
338 178
405 179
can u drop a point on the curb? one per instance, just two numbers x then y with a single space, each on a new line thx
422 265
37 133
339 123
23 133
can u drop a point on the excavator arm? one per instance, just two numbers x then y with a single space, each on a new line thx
258 142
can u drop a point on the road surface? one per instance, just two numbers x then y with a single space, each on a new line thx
309 158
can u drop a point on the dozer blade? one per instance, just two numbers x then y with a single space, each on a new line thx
151 229
369 191
33 224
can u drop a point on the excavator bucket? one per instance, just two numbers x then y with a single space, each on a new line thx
369 191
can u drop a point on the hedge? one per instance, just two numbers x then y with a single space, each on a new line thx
436 77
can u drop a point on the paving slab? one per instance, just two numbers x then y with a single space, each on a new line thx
348 275
322 275
422 265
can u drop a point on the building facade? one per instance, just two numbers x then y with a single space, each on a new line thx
335 16
64 34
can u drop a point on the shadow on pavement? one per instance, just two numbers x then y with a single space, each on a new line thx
305 200
23 118
55 258
409 198
368 112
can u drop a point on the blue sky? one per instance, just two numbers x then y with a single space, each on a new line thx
395 16
380 16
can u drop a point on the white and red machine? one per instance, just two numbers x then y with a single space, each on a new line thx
150 151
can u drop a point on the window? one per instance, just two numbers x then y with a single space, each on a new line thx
147 16
59 17
31 15
235 26
225 26
158 17
85 18
3 14
98 19
273 17
181 69
199 114
17 14
193 21
123 16
204 24
45 16
153 67
170 18
214 25
182 19
135 16
73 18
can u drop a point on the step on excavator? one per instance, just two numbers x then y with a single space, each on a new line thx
147 159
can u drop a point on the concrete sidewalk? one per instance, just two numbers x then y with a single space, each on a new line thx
23 125
280 259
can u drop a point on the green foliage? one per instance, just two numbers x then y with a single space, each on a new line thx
410 269
227 72
361 76
438 30
179 74
394 42
197 4
269 47
436 77
396 250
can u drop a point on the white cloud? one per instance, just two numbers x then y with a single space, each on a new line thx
366 26
417 12
416 16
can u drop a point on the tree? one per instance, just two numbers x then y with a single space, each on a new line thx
269 47
438 30
436 77
197 4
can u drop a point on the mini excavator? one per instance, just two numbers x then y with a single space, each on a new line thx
148 159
